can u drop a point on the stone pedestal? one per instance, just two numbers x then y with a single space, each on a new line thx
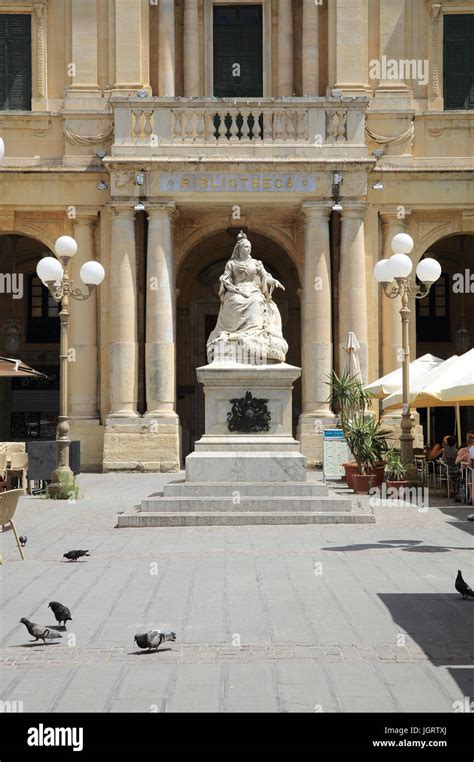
247 467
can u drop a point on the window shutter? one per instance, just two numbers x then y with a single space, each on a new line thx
238 39
3 45
459 61
15 62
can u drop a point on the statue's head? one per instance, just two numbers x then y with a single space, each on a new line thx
242 248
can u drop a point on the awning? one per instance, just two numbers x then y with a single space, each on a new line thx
14 368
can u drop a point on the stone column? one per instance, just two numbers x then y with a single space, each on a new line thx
353 284
160 313
285 48
191 48
316 331
166 49
163 446
392 43
310 48
83 328
84 46
391 321
123 315
349 19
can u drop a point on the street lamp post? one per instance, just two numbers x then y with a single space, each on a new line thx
399 268
54 275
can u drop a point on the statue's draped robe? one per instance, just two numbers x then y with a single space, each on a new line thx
249 322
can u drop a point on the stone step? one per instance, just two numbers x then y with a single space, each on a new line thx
252 504
247 489
241 518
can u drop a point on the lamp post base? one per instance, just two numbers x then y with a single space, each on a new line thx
62 484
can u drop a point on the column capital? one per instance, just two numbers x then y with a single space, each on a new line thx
310 209
118 209
85 216
390 216
354 209
161 209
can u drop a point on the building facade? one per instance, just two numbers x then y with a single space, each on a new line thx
153 131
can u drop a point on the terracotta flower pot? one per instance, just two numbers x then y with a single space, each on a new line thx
350 469
379 472
397 486
362 483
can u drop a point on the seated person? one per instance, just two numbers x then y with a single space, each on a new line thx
463 453
438 449
450 451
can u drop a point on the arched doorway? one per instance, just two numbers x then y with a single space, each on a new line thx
29 330
445 320
197 309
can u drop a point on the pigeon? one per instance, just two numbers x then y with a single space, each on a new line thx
73 555
23 540
153 639
61 612
462 587
38 631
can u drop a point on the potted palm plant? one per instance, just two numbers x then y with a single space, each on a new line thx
348 399
395 470
367 440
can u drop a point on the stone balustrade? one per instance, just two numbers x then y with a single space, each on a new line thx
158 126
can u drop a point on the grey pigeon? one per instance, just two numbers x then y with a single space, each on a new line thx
61 612
73 555
153 639
462 587
38 631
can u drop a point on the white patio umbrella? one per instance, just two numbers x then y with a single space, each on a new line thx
450 384
352 347
392 382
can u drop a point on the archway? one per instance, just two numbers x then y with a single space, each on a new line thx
445 320
29 330
197 309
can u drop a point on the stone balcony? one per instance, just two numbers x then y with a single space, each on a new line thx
207 128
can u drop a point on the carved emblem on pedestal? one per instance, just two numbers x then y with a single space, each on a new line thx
248 414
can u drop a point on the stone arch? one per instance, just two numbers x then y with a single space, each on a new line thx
198 305
26 414
281 237
447 315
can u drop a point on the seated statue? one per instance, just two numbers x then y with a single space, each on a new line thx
248 327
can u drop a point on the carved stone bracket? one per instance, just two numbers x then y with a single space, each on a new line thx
435 11
40 50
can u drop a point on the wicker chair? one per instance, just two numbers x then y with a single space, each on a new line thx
8 504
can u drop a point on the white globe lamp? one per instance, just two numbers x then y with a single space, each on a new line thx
92 273
65 247
402 243
382 272
49 270
428 270
400 266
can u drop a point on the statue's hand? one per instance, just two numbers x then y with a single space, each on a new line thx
279 285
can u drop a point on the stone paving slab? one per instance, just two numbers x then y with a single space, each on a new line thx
329 618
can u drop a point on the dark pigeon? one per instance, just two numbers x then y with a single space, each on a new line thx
462 587
61 612
73 555
154 639
38 631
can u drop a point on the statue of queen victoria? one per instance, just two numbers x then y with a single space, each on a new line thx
248 327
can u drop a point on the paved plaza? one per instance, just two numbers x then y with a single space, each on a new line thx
328 618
